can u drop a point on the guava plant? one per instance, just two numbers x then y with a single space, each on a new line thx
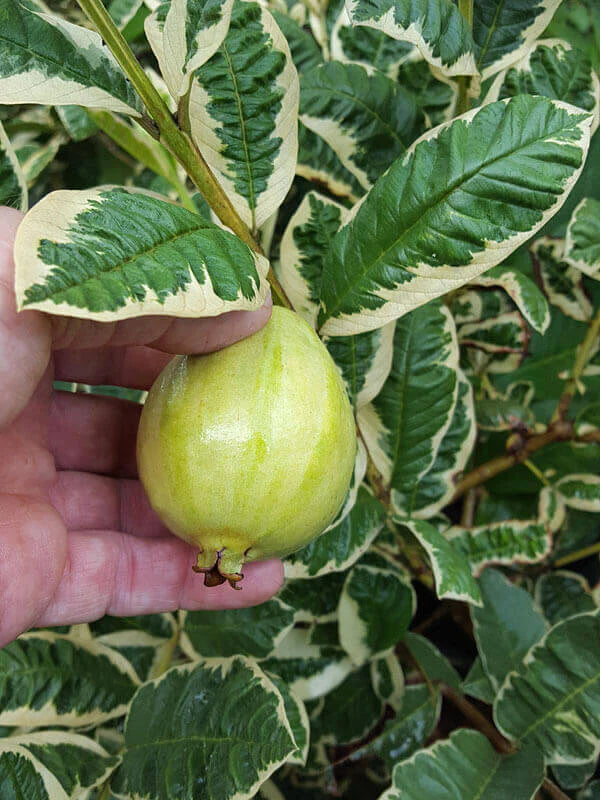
418 180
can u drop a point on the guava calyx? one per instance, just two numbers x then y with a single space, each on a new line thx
219 566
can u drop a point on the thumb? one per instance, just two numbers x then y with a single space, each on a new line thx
25 338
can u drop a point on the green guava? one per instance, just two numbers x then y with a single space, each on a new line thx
248 453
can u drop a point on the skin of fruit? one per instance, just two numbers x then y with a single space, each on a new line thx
248 453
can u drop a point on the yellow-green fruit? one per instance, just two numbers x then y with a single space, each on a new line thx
248 453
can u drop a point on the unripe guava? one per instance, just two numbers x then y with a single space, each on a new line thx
248 453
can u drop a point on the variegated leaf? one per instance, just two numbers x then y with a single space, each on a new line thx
405 424
435 97
368 119
123 11
582 245
460 201
451 570
51 679
50 61
505 626
306 53
360 469
314 601
340 547
319 163
66 765
507 542
244 113
523 292
562 594
254 631
477 684
552 69
402 735
371 48
375 611
466 766
77 122
551 705
561 281
145 653
184 34
304 245
504 30
35 154
388 680
194 723
551 509
310 670
435 27
113 253
580 491
588 419
297 718
13 186
436 488
502 414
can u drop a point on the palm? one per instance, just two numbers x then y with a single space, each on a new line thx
77 536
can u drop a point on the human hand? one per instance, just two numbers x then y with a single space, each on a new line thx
78 538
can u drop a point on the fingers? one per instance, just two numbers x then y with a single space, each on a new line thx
91 502
112 573
33 553
134 367
24 338
92 433
167 334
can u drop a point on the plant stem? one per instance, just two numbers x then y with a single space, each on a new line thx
537 472
553 790
477 719
176 140
463 103
584 352
577 555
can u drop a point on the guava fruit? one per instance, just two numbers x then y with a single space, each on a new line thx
247 453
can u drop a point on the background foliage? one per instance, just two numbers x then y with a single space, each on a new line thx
442 638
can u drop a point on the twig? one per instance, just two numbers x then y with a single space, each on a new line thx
462 103
577 555
584 352
553 790
477 719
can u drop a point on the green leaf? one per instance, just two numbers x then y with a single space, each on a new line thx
563 594
112 253
376 608
13 187
504 30
184 34
304 49
66 764
436 98
591 791
50 61
77 122
433 663
552 69
506 626
50 679
253 631
451 570
460 201
507 542
243 113
436 27
523 292
573 776
580 491
344 544
218 728
466 766
561 282
582 245
368 119
388 680
310 670
477 684
550 704
145 653
318 162
348 712
408 730
436 488
405 424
